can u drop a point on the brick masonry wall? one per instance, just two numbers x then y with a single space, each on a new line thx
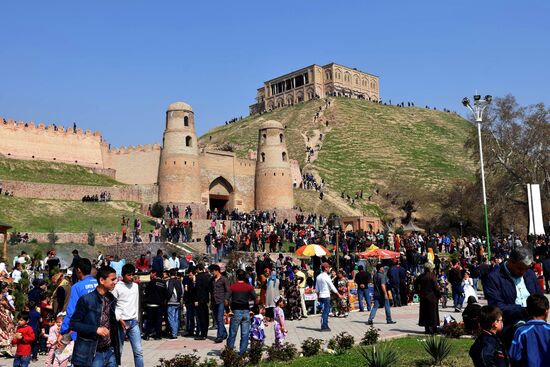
137 193
100 238
26 141
135 165
129 251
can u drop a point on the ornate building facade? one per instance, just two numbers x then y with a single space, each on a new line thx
313 82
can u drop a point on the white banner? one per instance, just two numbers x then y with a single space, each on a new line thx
536 226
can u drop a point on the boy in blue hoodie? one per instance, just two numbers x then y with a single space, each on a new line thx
531 344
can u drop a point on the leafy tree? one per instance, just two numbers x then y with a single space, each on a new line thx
91 237
52 237
157 210
409 208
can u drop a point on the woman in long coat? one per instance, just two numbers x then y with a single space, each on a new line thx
428 289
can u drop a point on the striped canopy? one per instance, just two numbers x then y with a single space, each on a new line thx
380 254
312 250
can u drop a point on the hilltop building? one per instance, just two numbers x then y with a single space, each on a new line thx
315 81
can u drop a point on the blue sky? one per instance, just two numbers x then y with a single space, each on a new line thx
115 66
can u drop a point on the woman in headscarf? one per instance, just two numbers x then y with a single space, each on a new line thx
343 290
7 326
262 283
427 288
292 292
272 292
60 296
4 275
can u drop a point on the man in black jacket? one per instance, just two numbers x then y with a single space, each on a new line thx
455 279
362 279
509 287
189 298
202 289
156 296
546 272
175 292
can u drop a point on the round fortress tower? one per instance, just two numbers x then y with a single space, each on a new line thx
273 179
179 172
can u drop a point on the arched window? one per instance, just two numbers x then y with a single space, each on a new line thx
281 137
263 157
347 77
186 121
188 141
284 156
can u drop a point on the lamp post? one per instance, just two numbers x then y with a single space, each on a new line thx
335 222
477 109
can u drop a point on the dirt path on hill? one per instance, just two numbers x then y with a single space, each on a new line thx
314 140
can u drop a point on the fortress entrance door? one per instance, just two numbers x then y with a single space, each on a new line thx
218 202
221 195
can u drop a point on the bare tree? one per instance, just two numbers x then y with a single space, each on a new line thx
517 152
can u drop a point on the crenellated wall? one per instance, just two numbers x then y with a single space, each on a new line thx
134 165
24 140
203 179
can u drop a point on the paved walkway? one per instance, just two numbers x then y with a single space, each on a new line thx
355 324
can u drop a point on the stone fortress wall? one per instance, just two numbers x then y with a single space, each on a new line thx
177 173
137 165
22 140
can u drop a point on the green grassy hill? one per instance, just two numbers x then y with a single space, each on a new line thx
37 215
51 172
393 154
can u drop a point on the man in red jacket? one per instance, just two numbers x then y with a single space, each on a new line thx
23 338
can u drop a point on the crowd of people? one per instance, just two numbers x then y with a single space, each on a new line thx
102 197
101 299
310 183
5 192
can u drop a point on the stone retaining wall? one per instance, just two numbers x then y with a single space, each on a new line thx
100 238
49 191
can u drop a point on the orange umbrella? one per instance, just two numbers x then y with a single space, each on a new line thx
378 253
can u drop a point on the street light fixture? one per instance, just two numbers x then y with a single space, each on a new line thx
477 109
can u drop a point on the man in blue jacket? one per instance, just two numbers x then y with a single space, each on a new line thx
86 284
94 320
393 274
509 287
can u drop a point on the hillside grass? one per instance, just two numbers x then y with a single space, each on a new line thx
51 172
37 215
403 153
410 350
309 202
243 134
375 145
